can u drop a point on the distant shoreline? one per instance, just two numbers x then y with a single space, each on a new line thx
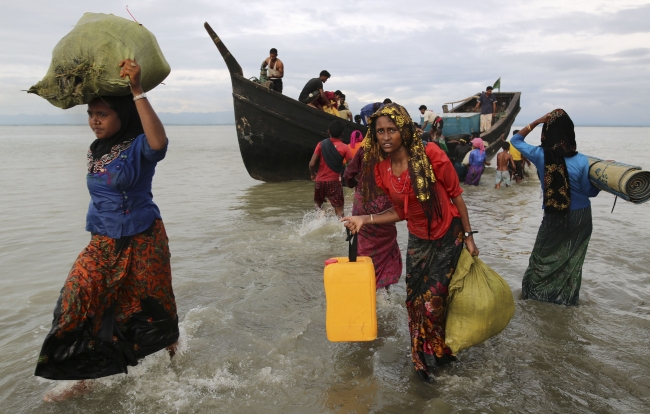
166 124
232 123
80 118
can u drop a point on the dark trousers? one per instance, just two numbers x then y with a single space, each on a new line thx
277 85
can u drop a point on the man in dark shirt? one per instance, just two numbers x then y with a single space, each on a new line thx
488 104
312 94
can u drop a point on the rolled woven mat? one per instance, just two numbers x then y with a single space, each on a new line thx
626 181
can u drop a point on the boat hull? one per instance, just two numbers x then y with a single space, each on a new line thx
277 135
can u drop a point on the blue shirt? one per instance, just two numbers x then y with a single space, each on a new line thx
577 168
121 202
476 157
487 103
369 109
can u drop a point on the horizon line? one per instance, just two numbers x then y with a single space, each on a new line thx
202 124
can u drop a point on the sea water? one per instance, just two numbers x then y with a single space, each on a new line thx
247 262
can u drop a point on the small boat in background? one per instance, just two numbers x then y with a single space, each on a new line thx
461 121
277 134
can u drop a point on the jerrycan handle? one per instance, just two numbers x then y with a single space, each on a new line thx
352 245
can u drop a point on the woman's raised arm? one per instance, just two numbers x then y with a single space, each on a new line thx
153 128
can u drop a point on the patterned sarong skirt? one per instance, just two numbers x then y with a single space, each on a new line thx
474 173
554 271
430 265
116 307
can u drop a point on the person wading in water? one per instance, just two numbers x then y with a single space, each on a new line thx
326 166
424 189
117 304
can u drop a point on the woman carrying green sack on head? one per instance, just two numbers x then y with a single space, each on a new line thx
424 189
117 304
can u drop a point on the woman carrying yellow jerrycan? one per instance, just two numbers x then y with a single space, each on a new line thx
425 191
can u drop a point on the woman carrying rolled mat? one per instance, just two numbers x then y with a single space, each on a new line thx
424 189
117 304
554 271
378 241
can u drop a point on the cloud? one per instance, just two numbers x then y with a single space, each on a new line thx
590 57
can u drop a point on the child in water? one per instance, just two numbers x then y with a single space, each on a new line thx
505 166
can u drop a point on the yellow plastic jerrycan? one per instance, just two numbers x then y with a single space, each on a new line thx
350 294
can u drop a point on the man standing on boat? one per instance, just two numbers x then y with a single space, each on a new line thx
275 71
312 94
488 104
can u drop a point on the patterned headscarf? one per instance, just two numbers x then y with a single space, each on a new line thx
420 168
558 141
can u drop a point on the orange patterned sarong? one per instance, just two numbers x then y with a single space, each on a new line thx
116 306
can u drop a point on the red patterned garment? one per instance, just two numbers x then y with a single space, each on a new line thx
378 241
330 190
430 265
116 306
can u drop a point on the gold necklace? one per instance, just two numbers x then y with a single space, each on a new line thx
399 180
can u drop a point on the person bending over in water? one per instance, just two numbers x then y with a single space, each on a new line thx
117 304
424 189
326 166
505 166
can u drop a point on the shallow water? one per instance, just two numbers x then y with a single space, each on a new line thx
247 261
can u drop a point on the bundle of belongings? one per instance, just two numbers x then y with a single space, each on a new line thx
629 182
85 63
480 304
333 109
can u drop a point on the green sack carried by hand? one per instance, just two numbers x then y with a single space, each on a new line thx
85 62
480 304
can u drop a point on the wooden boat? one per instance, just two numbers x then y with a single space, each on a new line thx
507 107
277 134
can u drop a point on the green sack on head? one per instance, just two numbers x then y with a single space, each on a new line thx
480 304
85 62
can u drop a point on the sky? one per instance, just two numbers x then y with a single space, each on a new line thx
590 57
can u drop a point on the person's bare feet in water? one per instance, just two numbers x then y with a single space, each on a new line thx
79 388
171 349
